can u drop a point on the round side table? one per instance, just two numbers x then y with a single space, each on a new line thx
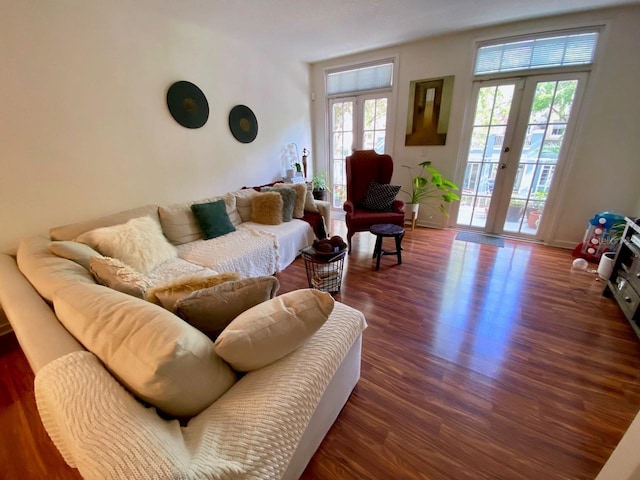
381 231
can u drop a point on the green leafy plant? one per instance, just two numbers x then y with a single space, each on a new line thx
430 183
319 181
537 200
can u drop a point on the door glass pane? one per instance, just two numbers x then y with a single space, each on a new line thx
550 110
374 124
487 138
342 142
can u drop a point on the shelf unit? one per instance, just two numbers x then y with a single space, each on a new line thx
624 283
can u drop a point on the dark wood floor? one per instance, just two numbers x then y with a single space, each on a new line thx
479 362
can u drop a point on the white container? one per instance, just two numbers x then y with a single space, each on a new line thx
605 267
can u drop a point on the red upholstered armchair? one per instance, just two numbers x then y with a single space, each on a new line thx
362 168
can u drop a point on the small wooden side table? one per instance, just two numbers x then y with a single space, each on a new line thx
381 231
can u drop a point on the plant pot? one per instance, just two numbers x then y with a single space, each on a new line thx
412 210
321 195
514 213
533 217
412 207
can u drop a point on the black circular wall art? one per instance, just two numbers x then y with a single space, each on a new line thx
187 104
243 124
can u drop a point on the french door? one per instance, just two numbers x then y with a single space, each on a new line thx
356 123
517 145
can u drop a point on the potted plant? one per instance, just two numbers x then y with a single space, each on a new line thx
514 212
428 184
535 208
319 183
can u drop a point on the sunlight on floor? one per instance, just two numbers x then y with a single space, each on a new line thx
478 312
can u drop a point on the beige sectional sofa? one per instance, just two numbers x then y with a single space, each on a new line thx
105 361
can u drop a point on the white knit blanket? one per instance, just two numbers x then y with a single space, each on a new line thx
251 432
176 268
250 251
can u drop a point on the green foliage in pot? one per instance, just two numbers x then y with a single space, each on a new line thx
430 183
319 181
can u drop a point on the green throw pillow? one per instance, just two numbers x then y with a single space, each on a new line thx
213 219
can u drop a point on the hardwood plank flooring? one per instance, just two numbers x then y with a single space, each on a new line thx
478 362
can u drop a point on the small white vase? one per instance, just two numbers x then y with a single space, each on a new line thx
605 267
412 207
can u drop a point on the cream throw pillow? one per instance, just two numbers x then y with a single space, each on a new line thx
243 202
138 243
309 201
266 208
168 294
273 329
113 273
179 224
157 356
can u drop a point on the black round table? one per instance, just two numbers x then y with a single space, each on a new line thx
381 231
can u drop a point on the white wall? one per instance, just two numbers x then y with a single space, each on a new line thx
605 173
85 129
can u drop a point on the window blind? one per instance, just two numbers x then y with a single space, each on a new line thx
541 52
365 78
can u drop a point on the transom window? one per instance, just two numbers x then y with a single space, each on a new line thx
542 51
361 78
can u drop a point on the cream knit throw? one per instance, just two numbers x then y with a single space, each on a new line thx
251 432
251 252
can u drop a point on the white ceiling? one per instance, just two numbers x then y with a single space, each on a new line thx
315 30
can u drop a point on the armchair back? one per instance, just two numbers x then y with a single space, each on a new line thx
364 167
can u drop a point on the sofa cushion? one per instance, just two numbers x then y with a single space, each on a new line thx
71 231
168 294
210 310
74 251
139 243
213 219
243 202
46 271
380 197
157 356
179 224
114 273
269 331
266 208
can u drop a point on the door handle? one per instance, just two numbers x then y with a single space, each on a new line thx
502 166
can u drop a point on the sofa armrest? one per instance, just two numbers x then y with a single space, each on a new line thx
41 336
99 427
325 210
